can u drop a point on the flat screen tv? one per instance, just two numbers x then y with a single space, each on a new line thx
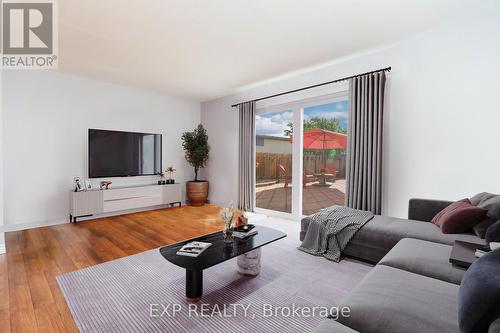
123 154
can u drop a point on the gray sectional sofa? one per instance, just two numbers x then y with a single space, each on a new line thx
372 242
413 287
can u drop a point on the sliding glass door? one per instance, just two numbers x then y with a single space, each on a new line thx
324 145
273 161
300 160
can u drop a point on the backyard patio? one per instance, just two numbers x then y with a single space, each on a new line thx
323 171
315 197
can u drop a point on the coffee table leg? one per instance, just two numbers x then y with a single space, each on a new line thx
249 263
194 285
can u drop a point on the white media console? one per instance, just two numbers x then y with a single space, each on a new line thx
88 203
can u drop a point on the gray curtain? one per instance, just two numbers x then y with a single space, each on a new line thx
364 152
246 167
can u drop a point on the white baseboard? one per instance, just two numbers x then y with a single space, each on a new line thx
31 225
63 220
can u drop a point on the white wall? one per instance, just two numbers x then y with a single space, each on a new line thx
46 119
442 115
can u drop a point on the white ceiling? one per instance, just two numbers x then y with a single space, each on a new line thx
208 48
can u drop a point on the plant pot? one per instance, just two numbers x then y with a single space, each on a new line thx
197 192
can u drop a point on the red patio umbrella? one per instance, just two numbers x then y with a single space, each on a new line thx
321 139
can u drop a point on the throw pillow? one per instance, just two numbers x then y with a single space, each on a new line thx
459 217
479 294
493 233
475 200
480 228
495 325
488 201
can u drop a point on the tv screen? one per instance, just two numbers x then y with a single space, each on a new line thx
123 154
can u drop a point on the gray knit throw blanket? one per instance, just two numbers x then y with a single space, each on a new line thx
331 229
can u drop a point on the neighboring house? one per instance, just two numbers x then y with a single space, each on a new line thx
273 144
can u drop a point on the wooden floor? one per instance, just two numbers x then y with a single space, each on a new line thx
30 299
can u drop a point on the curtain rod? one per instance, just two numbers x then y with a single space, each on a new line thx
387 69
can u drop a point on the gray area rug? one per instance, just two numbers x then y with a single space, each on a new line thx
145 293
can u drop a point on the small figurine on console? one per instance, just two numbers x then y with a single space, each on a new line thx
170 170
105 184
78 184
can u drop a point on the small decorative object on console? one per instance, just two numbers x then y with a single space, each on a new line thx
162 178
78 184
88 185
227 214
170 171
105 184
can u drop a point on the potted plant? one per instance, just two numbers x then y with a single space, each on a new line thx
196 147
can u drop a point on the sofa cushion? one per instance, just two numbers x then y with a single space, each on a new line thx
393 300
493 233
425 258
380 234
479 295
332 326
488 201
459 217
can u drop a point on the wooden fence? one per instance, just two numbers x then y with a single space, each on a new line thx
267 164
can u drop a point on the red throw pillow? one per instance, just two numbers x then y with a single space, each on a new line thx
459 217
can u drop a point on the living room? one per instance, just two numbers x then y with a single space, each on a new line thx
325 155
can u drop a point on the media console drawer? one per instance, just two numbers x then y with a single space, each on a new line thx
131 192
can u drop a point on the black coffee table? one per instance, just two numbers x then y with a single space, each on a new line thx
215 254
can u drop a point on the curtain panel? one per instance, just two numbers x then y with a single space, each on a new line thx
246 167
365 134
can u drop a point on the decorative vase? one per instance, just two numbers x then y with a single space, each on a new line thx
197 192
227 214
228 234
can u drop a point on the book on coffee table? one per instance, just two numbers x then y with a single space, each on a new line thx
244 231
193 249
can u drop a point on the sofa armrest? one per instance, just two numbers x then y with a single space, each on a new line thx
425 209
